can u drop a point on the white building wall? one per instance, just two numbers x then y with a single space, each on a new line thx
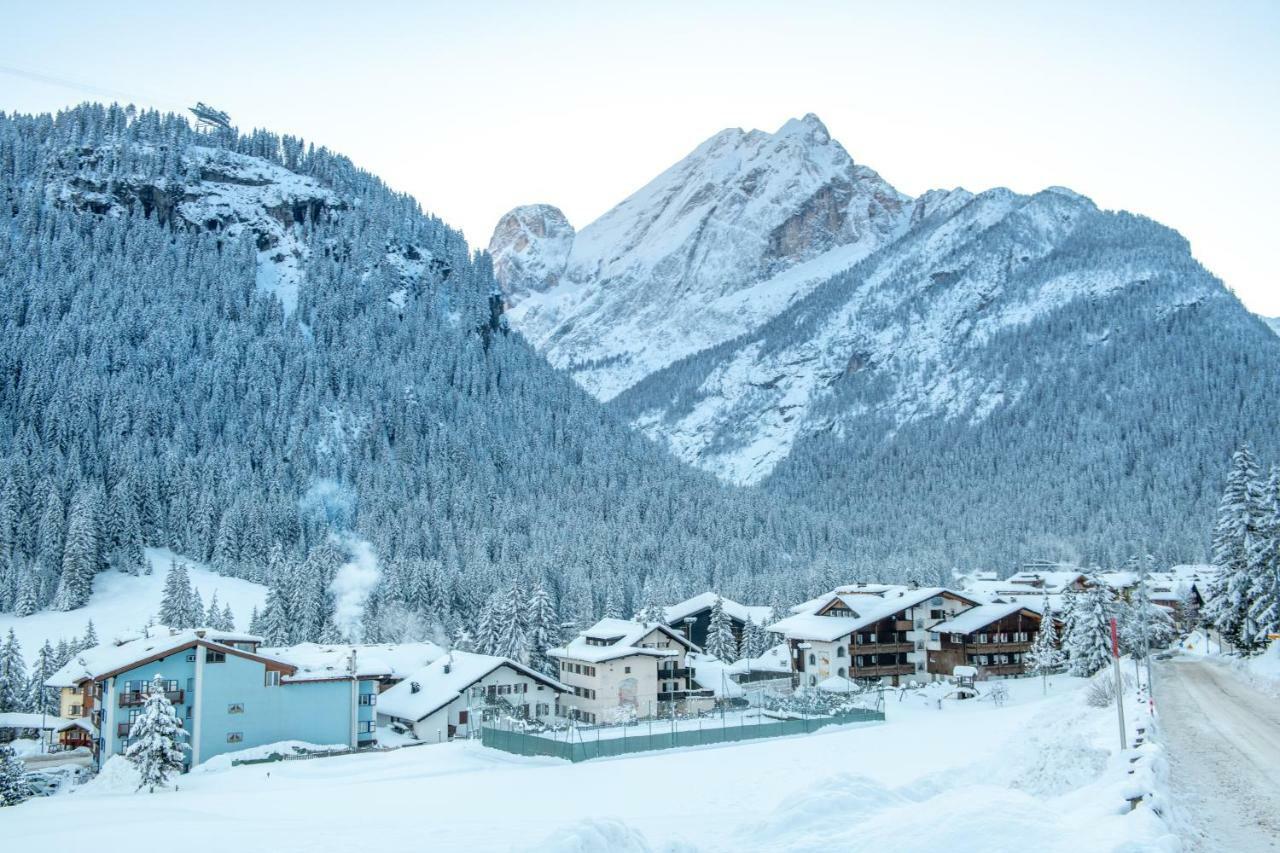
435 726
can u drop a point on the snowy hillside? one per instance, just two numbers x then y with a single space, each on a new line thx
712 247
123 603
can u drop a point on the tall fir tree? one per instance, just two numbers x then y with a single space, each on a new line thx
1239 524
1088 633
1045 655
544 631
176 600
41 699
1264 570
720 640
13 783
13 675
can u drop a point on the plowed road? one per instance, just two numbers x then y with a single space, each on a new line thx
1223 738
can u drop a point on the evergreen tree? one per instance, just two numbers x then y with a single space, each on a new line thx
13 675
485 634
1263 593
13 784
176 600
651 610
227 621
1045 655
255 623
213 615
41 699
720 640
1145 626
1239 524
81 554
1088 633
90 636
157 739
755 640
544 631
612 604
512 640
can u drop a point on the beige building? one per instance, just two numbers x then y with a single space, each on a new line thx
618 670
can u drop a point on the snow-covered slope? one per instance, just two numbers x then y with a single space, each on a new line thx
711 248
1274 323
123 603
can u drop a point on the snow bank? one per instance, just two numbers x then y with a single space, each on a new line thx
117 776
225 761
593 835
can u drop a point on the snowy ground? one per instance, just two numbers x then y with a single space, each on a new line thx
1223 738
124 602
1040 774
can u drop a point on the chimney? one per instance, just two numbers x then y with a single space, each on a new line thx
200 633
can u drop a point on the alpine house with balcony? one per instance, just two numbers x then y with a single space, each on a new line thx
618 669
866 631
228 695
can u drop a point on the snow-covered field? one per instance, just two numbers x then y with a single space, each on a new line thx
1037 773
122 603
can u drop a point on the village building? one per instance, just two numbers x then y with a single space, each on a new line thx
993 638
692 617
228 695
618 669
866 631
459 691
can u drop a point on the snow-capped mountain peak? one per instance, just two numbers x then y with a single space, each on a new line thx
709 249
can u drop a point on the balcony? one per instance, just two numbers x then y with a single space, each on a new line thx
988 648
883 648
669 674
134 698
123 729
887 669
677 695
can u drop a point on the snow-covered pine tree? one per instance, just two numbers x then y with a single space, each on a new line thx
1264 569
13 783
255 622
1045 655
81 552
227 620
612 602
1239 524
157 739
651 609
485 634
544 631
13 675
512 625
90 638
41 699
175 601
195 609
755 640
1088 633
720 640
1145 626
213 614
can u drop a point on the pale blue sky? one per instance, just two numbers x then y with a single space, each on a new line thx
1167 109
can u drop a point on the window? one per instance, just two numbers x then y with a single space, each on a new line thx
839 651
813 661
626 670
873 639
210 656
858 640
365 727
191 658
235 708
840 672
542 709
191 709
937 614
858 661
235 737
982 638
76 710
813 680
272 678
919 624
368 699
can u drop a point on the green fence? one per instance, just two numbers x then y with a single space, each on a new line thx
582 744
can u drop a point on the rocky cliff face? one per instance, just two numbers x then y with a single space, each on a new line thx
530 249
711 248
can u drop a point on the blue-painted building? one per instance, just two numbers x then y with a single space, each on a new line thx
229 696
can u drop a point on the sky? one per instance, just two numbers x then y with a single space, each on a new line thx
1169 109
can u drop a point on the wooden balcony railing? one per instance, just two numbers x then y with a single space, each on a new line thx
134 698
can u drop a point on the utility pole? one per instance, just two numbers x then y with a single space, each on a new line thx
1115 663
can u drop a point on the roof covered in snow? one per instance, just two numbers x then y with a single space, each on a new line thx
320 661
776 659
760 614
976 618
711 674
866 610
156 641
610 639
426 691
18 720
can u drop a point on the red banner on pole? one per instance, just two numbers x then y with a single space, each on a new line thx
1115 639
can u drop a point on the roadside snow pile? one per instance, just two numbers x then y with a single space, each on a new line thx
593 835
117 776
282 747
1264 669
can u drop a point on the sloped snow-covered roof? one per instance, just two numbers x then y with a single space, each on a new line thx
759 614
320 661
435 685
22 720
979 617
776 659
711 674
1054 580
156 641
621 638
866 609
